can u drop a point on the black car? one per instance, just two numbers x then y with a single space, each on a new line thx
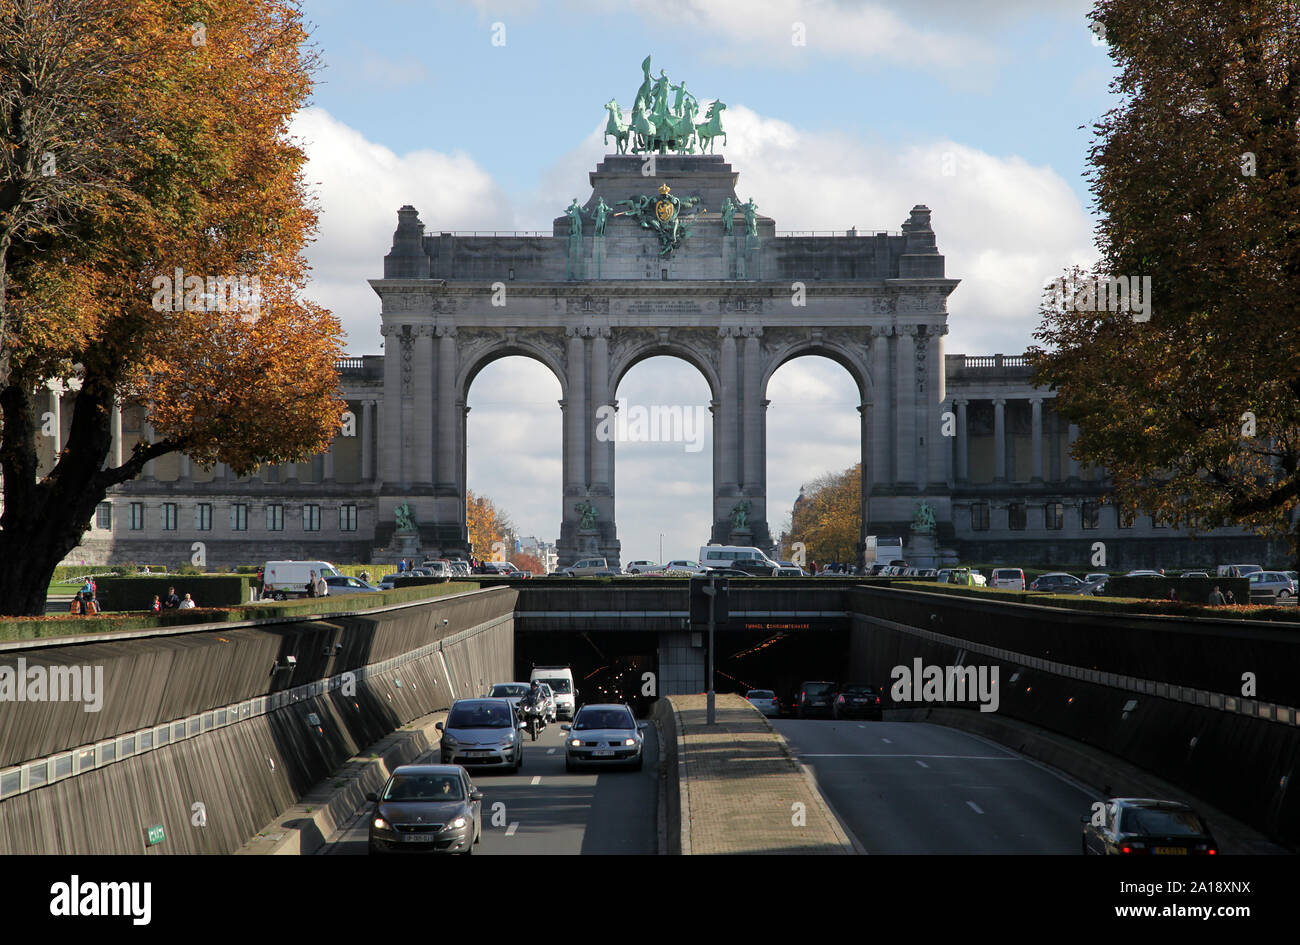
754 568
1136 826
816 697
426 809
857 702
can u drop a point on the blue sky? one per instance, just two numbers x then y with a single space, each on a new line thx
971 107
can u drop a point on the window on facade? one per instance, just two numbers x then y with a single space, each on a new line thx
275 518
311 518
104 515
1090 514
1159 520
1124 519
1054 515
137 516
347 518
169 516
1017 516
203 517
979 516
239 517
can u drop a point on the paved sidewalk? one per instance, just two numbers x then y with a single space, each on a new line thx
741 790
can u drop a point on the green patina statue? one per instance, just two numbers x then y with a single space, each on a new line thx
728 215
923 520
663 214
750 209
740 514
574 213
600 214
656 126
405 518
589 515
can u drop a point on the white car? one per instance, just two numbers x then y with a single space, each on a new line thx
644 567
1011 579
683 565
765 701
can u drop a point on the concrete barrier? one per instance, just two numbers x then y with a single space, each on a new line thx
198 734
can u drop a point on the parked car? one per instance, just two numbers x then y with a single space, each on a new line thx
284 579
1095 576
1088 588
1057 582
438 567
728 572
459 567
683 565
1012 579
1145 826
388 583
644 567
344 584
816 697
1271 587
481 732
1195 574
765 701
791 572
1237 570
942 575
604 733
857 702
756 567
426 809
587 567
1144 572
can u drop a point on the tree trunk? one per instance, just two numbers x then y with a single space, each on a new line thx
44 520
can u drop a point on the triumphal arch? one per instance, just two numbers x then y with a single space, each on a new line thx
666 255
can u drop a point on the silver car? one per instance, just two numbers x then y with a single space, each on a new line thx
603 734
512 692
1271 587
426 809
481 732
765 701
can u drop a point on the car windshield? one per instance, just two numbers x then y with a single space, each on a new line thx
818 688
760 694
479 715
424 787
1155 821
505 690
557 685
603 718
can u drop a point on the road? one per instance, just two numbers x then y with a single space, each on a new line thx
913 787
545 810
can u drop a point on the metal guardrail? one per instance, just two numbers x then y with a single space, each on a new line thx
1273 712
43 772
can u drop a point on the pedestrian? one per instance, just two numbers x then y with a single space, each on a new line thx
172 601
1216 598
1173 594
187 603
401 566
812 566
1231 599
157 605
322 588
311 585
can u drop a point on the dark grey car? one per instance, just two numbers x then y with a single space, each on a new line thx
426 809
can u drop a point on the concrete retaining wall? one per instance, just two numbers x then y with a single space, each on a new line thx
245 773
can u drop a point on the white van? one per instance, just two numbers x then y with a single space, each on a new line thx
285 579
726 556
560 679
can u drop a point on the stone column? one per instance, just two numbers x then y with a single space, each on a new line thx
422 402
905 407
1054 451
578 427
1000 440
115 430
390 447
56 408
448 422
146 433
602 451
186 468
1037 404
963 443
727 438
755 414
1074 463
367 440
882 441
327 473
940 452
864 428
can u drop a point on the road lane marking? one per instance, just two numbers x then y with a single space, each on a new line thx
890 754
510 831
537 779
922 763
887 741
861 726
975 807
550 751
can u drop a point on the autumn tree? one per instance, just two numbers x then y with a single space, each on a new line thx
1193 406
491 533
828 519
125 296
527 562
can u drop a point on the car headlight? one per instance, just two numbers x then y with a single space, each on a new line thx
508 737
629 741
381 824
448 741
575 742
456 824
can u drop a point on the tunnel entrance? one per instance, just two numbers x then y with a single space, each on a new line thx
608 665
779 660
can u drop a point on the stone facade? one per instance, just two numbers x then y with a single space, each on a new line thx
735 305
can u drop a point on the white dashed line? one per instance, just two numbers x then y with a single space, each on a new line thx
550 751
537 779
887 741
510 831
975 807
922 763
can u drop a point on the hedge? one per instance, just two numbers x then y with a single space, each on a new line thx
1195 590
36 628
136 592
